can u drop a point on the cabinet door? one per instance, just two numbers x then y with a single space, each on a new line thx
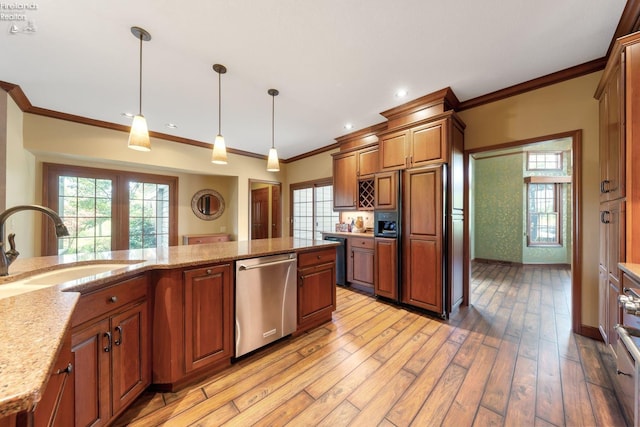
131 357
91 349
428 144
615 140
368 162
614 315
392 148
362 266
207 316
603 303
386 191
616 225
56 407
345 183
316 293
422 282
386 268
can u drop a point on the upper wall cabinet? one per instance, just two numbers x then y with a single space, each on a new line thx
345 183
416 146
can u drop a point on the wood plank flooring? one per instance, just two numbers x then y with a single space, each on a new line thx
509 359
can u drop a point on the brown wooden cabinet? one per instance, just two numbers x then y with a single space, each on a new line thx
619 110
192 324
360 262
345 183
208 316
111 350
417 145
422 283
353 172
194 239
56 407
385 277
316 287
386 191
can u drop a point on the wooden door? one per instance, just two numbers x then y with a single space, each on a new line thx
91 347
368 162
131 364
386 191
392 153
386 268
316 292
362 266
260 213
207 316
422 283
345 182
56 408
428 144
276 212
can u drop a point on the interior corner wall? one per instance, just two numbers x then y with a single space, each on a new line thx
498 208
20 184
553 109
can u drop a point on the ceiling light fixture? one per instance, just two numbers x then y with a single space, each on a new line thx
348 126
273 165
171 126
219 154
139 135
401 93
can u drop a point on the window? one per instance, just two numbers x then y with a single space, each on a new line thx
106 210
312 209
543 214
540 160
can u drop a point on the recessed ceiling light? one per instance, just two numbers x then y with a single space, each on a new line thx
348 126
401 93
172 126
127 115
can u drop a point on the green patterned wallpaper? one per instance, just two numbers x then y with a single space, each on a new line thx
499 200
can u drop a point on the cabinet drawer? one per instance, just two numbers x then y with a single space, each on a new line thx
361 242
626 377
105 300
205 238
322 256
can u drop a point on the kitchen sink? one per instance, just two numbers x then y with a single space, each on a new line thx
61 275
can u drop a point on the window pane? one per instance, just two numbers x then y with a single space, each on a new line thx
148 215
543 216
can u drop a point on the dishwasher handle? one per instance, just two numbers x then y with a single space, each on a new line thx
244 267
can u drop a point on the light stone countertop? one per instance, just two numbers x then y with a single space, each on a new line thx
633 270
33 324
349 234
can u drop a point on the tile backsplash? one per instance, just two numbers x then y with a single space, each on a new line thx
367 217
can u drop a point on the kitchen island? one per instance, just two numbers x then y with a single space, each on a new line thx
35 323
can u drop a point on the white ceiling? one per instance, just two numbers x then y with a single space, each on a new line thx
334 61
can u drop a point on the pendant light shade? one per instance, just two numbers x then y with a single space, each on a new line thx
139 134
273 165
219 153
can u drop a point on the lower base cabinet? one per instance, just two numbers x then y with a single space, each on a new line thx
192 324
316 287
386 268
111 350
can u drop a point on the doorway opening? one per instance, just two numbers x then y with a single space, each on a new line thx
523 211
265 209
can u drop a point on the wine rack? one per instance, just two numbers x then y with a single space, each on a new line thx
366 194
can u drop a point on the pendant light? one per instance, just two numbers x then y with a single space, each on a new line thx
273 165
139 134
219 154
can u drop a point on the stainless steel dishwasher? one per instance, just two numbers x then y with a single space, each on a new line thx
265 300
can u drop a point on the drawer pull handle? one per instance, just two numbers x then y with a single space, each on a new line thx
107 335
319 256
67 370
113 299
118 340
209 271
619 372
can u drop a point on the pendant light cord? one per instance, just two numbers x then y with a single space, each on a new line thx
219 105
273 120
140 86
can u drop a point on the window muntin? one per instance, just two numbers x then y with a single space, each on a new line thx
543 214
107 210
544 160
312 209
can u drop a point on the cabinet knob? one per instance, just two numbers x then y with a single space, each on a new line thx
67 370
113 299
619 372
208 271
319 257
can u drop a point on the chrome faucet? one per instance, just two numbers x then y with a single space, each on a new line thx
6 258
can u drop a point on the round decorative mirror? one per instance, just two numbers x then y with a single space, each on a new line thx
207 204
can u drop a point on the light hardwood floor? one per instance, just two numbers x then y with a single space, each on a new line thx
509 359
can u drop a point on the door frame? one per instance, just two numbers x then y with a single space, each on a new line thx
576 221
272 184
